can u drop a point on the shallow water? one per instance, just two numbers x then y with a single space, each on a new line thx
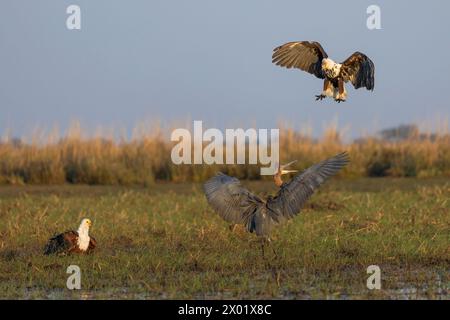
408 292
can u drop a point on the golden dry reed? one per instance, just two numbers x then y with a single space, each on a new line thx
109 159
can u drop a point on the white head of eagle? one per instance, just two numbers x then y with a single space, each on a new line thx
358 69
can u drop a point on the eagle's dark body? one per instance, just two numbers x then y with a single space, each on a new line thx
312 58
67 243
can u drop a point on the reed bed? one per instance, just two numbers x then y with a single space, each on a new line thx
108 159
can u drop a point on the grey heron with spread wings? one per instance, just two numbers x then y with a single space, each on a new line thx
357 69
237 205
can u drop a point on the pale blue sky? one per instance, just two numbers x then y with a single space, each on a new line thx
211 61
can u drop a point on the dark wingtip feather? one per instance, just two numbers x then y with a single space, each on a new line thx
343 158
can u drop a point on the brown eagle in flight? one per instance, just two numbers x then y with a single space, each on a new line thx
310 57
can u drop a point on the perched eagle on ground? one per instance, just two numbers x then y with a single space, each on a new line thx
72 241
310 57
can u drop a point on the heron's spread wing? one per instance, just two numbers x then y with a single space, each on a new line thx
293 195
359 70
303 55
230 200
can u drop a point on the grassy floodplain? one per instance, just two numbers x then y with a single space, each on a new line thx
163 241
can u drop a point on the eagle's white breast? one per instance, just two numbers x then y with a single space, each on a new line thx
331 68
83 237
83 242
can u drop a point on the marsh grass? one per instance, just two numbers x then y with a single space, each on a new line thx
111 159
163 241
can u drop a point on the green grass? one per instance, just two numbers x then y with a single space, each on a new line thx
165 242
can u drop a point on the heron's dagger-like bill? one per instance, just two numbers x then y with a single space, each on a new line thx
283 168
288 171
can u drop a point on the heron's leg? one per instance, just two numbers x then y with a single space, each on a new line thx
262 248
273 249
266 261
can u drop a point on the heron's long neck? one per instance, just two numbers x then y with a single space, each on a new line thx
277 179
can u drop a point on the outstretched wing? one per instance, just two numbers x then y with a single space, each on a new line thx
304 55
293 195
359 70
230 200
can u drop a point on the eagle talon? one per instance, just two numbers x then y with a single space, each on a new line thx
320 97
339 100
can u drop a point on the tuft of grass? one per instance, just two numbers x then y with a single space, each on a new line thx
163 241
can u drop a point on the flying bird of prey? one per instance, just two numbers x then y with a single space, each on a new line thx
72 241
312 58
237 205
